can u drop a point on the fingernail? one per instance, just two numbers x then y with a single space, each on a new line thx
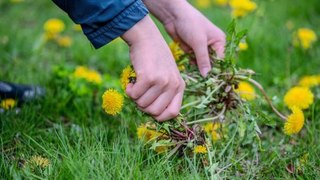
204 72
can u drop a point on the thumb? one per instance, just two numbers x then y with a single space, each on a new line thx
202 57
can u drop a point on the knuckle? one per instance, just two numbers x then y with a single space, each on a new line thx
175 83
176 86
146 110
173 113
139 74
141 104
149 79
163 82
156 112
133 95
153 111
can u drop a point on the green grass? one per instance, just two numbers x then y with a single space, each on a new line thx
84 143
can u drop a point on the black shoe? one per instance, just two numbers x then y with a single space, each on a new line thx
21 93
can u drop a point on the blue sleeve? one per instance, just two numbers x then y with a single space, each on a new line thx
104 20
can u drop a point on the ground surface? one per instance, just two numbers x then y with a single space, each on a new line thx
81 141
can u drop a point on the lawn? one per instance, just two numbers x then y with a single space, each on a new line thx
81 142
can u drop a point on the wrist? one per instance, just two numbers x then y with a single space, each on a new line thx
143 31
166 10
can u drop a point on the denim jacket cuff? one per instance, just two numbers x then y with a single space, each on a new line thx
119 25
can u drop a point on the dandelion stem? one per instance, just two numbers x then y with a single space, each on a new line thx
210 161
209 119
211 93
178 133
259 86
174 150
188 129
190 78
190 104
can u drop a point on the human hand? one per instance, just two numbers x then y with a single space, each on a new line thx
190 28
159 86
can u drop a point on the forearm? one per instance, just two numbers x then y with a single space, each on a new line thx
166 10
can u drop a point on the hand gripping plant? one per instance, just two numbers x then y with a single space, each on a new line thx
210 101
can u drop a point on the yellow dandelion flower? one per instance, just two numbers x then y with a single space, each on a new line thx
39 161
146 134
294 122
112 102
215 136
304 38
241 8
176 51
208 127
155 134
243 46
142 132
161 149
8 104
221 2
318 78
202 4
181 67
82 72
301 97
309 81
246 91
127 75
77 27
94 77
211 129
200 149
54 26
64 41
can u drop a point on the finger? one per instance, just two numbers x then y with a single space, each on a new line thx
219 47
185 47
129 85
135 91
218 43
161 103
149 97
174 35
172 110
202 56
